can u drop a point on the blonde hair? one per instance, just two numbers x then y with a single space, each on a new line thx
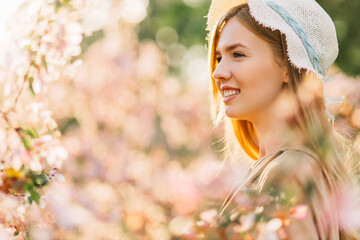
309 118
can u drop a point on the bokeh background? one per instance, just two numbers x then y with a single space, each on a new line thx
121 89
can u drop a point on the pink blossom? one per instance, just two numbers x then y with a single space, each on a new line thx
209 216
348 208
185 195
300 212
274 225
246 223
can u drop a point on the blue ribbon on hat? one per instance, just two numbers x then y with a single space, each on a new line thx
313 56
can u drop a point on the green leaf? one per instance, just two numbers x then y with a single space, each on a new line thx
40 180
31 132
35 196
57 6
16 233
30 200
27 143
29 49
31 80
28 237
44 63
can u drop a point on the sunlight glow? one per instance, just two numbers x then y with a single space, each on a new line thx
6 9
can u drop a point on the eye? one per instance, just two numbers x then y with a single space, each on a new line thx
238 54
218 59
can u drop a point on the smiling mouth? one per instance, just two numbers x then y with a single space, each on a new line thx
229 93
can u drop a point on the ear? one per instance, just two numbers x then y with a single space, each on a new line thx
284 70
285 75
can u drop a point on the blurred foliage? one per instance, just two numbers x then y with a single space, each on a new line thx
345 14
189 22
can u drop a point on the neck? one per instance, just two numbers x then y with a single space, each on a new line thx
273 132
272 138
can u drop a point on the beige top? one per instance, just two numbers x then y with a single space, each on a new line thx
297 167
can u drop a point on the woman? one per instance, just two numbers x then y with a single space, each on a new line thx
268 61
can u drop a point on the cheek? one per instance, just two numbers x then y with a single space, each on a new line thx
217 85
262 78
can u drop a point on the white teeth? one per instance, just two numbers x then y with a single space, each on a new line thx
228 93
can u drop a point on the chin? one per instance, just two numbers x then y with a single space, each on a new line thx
235 115
232 114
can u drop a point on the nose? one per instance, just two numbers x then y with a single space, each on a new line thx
221 72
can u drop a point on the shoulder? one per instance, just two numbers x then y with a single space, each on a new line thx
296 167
295 161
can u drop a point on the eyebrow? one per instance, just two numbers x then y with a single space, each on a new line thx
232 47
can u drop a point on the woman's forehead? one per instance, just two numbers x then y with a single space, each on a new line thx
234 33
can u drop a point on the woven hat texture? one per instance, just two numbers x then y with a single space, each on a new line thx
310 33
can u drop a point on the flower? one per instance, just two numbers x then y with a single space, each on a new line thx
208 216
300 212
274 225
246 223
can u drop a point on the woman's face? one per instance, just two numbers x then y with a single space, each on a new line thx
247 75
